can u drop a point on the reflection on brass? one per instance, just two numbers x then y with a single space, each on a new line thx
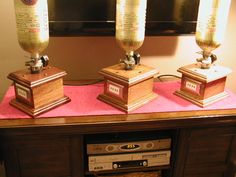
129 45
130 27
212 19
34 47
32 29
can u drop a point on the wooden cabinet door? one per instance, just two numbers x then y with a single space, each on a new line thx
44 157
231 170
204 152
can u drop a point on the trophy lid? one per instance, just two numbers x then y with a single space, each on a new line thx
207 75
141 72
25 77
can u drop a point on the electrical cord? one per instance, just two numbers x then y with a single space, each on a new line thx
167 75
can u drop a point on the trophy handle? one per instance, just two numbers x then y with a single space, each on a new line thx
131 60
207 59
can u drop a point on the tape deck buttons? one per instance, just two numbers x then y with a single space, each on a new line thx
110 148
149 145
115 166
145 163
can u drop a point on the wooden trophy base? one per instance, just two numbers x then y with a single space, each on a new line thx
203 86
128 90
38 93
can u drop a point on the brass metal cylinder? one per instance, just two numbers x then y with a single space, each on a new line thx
211 24
32 25
130 23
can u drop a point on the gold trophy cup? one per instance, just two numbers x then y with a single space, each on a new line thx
40 87
129 84
203 83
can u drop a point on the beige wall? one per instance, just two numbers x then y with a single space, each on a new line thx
83 57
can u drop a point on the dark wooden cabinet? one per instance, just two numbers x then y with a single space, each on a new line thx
206 152
35 156
202 146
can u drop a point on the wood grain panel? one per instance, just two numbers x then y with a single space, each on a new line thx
207 150
231 169
48 93
202 169
213 131
206 175
44 161
41 157
139 90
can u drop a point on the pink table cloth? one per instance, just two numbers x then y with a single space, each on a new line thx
84 102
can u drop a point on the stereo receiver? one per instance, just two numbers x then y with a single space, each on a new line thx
124 155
